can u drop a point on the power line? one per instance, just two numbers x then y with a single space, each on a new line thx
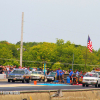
49 62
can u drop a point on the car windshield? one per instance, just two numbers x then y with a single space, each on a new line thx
98 73
36 72
90 75
18 72
53 73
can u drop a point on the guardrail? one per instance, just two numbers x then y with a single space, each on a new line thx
2 76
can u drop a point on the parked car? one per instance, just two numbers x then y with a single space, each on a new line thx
19 75
37 75
51 76
91 79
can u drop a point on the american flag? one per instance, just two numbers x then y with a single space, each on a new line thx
89 44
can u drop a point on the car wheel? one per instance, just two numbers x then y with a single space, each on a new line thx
40 79
27 81
23 81
87 85
8 80
47 80
13 81
96 85
83 85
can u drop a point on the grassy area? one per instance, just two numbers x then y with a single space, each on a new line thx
67 95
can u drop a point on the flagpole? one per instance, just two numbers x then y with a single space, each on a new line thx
86 55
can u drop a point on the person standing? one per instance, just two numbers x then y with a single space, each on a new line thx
48 71
58 74
77 75
71 74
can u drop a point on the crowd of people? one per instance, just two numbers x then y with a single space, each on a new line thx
59 73
7 69
72 74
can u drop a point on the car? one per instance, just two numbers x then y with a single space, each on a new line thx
37 75
51 76
97 72
19 75
91 79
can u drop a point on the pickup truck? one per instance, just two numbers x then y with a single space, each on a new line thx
91 79
19 75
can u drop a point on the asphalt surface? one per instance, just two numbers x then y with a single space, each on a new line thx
22 87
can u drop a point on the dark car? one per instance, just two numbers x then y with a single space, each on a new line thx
19 75
51 76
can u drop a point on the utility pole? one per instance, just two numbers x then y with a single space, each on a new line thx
21 44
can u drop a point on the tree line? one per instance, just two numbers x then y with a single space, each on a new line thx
59 54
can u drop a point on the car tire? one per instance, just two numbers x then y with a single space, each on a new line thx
96 85
87 85
27 81
8 80
83 85
48 80
13 81
23 81
40 79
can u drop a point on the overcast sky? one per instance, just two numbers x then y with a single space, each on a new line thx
46 20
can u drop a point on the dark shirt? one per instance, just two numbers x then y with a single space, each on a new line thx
48 72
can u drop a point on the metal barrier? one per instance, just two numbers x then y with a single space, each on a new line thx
2 76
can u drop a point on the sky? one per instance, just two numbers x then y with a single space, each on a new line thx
47 20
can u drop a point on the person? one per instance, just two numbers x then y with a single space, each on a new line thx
1 69
58 74
74 77
93 71
77 75
71 74
62 76
48 71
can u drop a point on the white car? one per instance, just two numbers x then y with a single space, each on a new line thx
91 79
37 75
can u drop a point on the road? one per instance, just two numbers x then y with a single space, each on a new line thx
18 86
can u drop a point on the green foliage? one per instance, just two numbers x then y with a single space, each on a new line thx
59 53
56 66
